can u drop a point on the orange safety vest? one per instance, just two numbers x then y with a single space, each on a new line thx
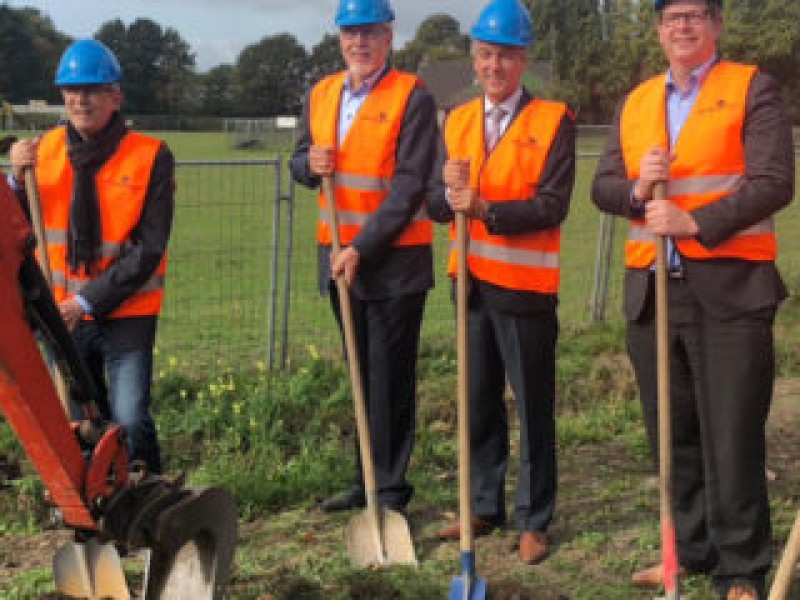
709 162
121 188
528 261
365 159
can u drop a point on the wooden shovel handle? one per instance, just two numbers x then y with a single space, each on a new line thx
35 209
37 220
462 353
791 555
359 404
669 550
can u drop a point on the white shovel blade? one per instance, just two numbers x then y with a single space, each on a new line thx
105 570
71 573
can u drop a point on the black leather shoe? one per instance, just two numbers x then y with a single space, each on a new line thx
348 500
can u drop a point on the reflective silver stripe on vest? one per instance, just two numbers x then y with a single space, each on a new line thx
110 250
704 184
350 217
362 183
637 233
154 284
514 256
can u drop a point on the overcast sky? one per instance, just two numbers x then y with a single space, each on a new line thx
218 29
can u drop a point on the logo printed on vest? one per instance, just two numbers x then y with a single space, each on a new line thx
528 141
719 105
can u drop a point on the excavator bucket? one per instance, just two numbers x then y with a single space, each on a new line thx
189 553
194 546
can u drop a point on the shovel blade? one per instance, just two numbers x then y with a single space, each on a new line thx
467 588
381 542
71 572
105 570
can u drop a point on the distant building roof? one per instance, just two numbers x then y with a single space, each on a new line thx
447 79
39 107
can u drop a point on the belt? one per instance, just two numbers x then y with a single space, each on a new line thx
678 273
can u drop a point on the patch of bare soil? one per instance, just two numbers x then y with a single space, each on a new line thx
23 553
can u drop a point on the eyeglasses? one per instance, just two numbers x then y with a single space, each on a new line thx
370 32
691 17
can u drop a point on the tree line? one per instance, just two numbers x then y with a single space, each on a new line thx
596 50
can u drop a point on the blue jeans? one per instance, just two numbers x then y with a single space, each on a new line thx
123 378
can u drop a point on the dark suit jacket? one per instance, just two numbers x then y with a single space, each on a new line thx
546 210
386 271
726 288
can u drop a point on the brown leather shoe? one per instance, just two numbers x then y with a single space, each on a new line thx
533 547
480 527
742 592
653 577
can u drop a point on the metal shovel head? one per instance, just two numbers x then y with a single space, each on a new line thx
105 570
71 572
194 546
390 544
467 588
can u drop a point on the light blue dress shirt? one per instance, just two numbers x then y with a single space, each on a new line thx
352 101
679 106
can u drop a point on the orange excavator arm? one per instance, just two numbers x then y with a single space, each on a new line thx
27 396
84 465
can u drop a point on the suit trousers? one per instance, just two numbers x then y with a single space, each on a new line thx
521 347
721 380
387 334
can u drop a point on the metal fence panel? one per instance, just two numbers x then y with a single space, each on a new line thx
242 277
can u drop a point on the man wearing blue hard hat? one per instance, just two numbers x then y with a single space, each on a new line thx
372 130
107 203
509 165
717 133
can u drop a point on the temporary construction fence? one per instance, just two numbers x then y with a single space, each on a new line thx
242 278
242 281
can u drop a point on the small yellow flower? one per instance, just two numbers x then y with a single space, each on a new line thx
312 350
173 362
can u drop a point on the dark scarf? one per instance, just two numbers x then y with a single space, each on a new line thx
84 232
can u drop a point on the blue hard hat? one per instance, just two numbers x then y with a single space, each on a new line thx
363 12
505 22
660 4
88 62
